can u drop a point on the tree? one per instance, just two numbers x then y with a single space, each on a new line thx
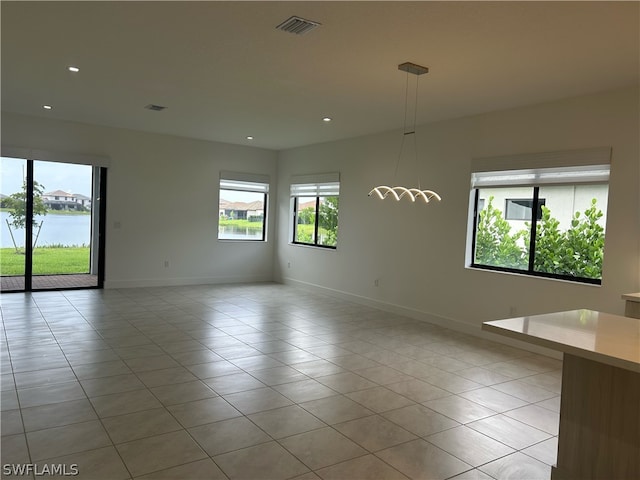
584 244
576 252
494 243
17 203
550 244
328 220
307 216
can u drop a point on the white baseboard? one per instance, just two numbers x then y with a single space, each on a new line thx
184 281
450 323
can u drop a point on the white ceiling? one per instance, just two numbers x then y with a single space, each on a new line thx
225 72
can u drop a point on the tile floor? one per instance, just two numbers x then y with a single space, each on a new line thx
45 282
263 381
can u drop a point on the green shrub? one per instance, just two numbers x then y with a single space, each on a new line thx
576 252
495 245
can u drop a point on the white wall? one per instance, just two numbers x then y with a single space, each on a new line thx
162 190
418 253
163 193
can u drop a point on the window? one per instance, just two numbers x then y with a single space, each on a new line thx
315 200
564 239
242 206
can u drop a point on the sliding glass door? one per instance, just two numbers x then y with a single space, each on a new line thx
54 224
13 195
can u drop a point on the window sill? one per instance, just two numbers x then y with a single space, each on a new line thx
315 247
528 275
233 240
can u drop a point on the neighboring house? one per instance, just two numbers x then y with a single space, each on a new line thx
83 200
562 201
241 210
61 200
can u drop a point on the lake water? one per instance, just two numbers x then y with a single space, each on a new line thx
239 233
56 230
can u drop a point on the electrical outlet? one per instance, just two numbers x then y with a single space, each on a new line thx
513 311
376 282
288 264
166 264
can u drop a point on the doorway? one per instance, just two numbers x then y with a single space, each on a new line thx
52 223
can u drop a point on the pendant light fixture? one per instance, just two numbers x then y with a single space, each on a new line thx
399 192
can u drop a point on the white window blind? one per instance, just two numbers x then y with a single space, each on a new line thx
542 176
552 168
316 185
246 182
48 156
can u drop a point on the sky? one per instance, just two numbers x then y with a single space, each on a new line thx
233 196
52 175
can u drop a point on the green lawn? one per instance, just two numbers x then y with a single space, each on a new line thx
305 233
240 224
46 260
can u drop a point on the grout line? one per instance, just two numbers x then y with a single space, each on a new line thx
194 309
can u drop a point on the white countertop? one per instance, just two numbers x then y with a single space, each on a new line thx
602 337
631 297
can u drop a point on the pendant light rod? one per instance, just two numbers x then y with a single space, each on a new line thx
398 192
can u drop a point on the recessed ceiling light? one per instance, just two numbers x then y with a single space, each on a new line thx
73 69
327 119
47 107
249 137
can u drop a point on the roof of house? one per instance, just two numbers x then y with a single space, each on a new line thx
62 193
257 205
59 193
310 204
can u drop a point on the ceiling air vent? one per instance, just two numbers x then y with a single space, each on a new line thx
297 25
155 108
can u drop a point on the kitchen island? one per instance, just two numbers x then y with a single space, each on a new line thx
599 436
632 305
